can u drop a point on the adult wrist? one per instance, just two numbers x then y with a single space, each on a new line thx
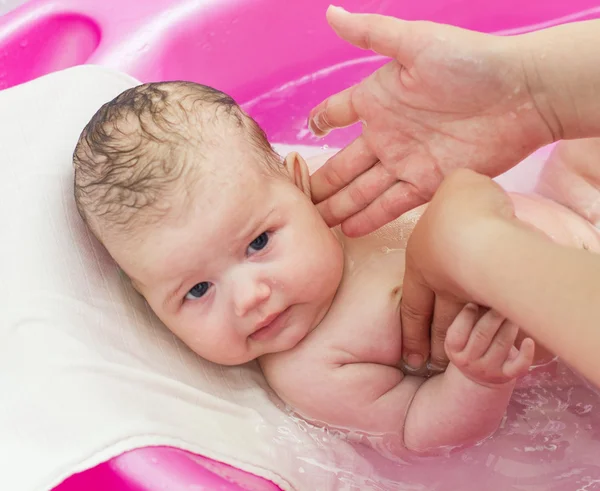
561 67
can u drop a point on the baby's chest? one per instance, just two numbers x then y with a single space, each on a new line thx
364 321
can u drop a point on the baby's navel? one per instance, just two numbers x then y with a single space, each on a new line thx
397 291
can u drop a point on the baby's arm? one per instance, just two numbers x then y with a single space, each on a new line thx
455 408
467 402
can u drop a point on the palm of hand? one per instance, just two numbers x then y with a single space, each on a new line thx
448 110
450 98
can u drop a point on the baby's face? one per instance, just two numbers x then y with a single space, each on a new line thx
248 268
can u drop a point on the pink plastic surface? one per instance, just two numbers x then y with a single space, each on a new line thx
164 468
252 49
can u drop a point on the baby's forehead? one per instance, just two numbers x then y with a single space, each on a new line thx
233 154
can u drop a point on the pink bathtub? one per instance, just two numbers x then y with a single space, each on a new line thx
251 49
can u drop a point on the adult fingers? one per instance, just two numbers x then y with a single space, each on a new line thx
385 35
416 310
396 200
341 169
356 196
337 111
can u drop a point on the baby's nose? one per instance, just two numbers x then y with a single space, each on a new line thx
249 295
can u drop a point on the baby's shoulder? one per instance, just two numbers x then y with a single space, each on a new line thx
393 235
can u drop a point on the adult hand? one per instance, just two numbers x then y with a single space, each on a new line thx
450 98
437 281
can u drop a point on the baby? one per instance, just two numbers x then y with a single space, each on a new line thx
220 236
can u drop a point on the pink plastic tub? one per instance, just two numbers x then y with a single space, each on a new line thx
253 49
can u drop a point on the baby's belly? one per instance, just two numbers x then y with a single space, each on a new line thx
562 225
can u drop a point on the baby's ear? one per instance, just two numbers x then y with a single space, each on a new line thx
298 172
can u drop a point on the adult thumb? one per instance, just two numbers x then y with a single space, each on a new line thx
382 34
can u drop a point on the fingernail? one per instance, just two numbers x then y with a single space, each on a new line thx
313 125
339 9
414 361
472 306
434 367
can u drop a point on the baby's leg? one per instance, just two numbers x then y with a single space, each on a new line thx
571 177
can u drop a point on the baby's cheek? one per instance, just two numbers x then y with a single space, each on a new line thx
218 345
332 265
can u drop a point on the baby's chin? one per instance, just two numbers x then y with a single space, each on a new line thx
287 340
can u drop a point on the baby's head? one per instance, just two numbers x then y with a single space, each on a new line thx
213 228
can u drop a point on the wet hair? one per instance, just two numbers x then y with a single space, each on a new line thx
135 150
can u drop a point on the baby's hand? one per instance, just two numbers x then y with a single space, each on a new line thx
482 347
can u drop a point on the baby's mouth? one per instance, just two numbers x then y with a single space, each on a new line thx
271 326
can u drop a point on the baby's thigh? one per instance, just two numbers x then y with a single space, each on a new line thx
571 177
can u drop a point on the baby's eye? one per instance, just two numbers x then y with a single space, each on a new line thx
198 291
260 242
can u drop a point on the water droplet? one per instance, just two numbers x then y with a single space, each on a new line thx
303 133
23 43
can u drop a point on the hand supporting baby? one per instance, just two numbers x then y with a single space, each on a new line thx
449 98
452 98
